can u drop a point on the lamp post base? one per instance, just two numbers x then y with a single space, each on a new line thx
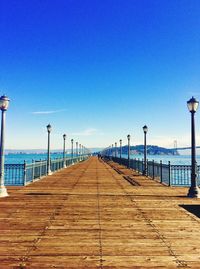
194 192
3 191
49 173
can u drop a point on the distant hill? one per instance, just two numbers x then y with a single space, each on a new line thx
151 150
139 149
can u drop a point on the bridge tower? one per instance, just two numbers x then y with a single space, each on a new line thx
175 147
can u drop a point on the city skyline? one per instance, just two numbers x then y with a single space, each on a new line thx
99 70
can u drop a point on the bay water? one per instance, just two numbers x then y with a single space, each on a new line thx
174 159
18 158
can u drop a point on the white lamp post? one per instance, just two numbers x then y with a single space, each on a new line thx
194 191
145 130
64 151
77 149
120 142
115 149
49 129
80 154
4 103
112 151
128 137
72 150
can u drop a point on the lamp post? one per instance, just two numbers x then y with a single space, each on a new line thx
49 128
108 152
72 150
77 149
120 142
112 151
64 157
128 137
115 149
80 151
145 129
194 191
4 103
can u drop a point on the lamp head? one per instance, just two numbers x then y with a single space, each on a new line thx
49 128
145 129
193 105
4 102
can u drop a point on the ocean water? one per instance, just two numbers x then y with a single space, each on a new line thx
174 159
21 157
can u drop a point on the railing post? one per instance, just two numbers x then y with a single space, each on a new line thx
33 170
169 167
24 173
142 165
161 179
46 167
52 165
40 167
153 169
57 164
147 168
55 167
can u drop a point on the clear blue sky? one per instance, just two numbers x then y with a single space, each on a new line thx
98 70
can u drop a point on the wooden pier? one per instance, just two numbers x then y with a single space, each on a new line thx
98 215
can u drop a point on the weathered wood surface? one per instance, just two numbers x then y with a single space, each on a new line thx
89 216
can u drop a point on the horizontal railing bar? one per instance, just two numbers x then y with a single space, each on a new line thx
22 174
172 175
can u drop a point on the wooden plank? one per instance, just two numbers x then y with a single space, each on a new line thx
89 216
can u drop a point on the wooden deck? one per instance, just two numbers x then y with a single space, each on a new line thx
90 216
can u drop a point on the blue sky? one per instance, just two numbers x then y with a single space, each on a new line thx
98 70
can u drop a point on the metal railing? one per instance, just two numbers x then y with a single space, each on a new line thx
171 175
14 174
181 175
23 174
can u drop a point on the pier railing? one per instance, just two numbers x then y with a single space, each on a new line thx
25 173
171 175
